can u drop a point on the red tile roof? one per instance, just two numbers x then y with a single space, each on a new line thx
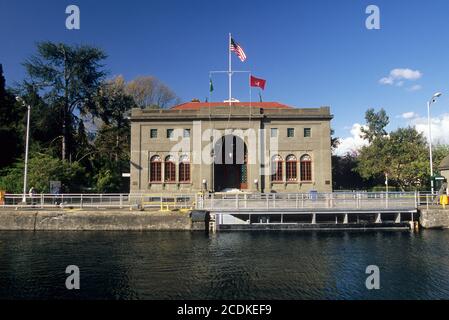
199 105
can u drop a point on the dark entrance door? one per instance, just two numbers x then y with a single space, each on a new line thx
230 168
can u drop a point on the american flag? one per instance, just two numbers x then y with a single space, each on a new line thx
238 50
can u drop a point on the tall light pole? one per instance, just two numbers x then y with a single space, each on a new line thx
429 103
25 173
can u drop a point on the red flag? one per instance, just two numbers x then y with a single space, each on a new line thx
256 82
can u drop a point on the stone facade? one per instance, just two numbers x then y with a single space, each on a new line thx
107 220
434 218
191 134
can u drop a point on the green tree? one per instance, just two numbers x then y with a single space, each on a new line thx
335 141
69 76
402 156
114 105
42 169
45 127
112 139
345 175
12 117
376 123
108 180
440 151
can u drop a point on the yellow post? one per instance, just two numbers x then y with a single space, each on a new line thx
444 200
2 197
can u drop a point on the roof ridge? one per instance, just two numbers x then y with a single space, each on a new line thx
197 105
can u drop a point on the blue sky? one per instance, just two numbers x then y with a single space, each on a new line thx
312 53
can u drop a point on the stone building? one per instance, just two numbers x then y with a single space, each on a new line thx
444 168
254 147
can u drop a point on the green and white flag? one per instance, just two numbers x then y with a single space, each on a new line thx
211 85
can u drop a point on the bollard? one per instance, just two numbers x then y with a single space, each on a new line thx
414 226
213 224
444 201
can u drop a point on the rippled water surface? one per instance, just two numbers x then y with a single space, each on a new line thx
257 265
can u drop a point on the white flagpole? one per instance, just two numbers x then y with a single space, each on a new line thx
210 92
250 97
230 70
250 91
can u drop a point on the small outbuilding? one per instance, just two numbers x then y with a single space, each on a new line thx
444 168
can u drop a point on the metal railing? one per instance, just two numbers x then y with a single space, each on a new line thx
428 200
99 201
338 201
231 201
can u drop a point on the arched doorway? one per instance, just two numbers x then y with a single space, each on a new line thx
230 163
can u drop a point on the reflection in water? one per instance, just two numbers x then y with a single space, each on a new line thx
246 265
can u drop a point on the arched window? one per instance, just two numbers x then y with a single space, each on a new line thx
155 169
291 168
184 169
170 169
277 169
306 168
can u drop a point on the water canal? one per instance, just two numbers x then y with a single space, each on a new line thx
238 265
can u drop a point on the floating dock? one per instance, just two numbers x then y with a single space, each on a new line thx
314 220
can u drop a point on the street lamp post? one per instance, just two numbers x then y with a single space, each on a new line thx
25 173
429 103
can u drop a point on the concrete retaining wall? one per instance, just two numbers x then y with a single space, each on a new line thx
434 218
93 220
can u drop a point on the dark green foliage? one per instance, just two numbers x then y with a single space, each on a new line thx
376 123
69 77
403 156
439 153
42 169
71 101
345 175
12 115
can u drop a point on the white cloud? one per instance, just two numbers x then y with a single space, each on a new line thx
386 81
439 124
352 143
407 74
409 115
398 76
415 87
440 132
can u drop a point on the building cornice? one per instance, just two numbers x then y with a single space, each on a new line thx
234 113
